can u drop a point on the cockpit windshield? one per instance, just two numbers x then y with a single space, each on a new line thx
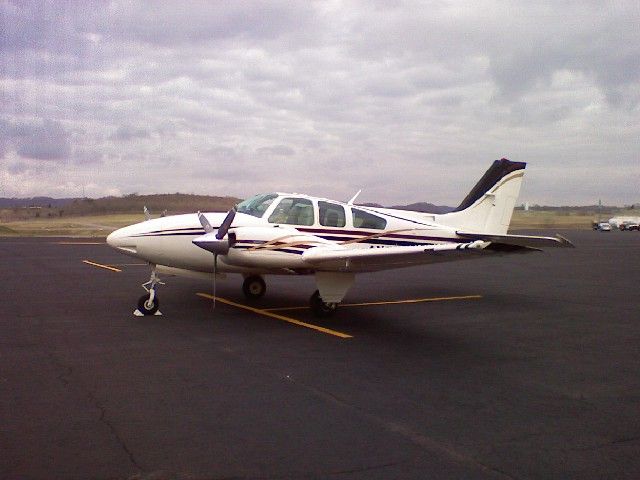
256 206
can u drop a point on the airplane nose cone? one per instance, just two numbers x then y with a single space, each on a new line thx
121 240
114 238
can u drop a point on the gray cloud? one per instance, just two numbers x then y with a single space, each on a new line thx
410 101
601 44
194 22
276 150
39 39
38 140
17 167
125 133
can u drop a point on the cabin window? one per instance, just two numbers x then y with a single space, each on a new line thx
293 211
256 206
362 219
331 215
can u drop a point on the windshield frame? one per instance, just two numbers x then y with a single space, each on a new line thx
257 205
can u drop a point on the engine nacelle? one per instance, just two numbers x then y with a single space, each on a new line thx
270 247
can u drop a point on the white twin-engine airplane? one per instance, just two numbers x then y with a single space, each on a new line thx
292 234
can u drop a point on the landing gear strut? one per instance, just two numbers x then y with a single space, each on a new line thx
254 287
149 303
319 307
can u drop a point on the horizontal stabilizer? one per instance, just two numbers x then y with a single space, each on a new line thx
520 240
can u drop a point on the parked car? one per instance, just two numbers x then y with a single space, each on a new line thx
629 226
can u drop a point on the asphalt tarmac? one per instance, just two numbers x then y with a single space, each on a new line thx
524 367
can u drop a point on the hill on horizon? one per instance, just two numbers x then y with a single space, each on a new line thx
172 203
34 202
425 207
176 203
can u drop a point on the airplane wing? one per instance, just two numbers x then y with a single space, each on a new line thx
519 240
352 259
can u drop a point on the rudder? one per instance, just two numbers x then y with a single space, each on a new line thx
489 205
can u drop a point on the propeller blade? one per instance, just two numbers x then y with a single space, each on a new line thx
205 223
226 223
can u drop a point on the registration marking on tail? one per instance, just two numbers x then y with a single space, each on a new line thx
270 314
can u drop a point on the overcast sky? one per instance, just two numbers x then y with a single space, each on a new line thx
410 101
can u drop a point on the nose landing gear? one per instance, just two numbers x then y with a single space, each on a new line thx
149 303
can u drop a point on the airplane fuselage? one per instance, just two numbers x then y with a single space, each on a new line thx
274 243
281 233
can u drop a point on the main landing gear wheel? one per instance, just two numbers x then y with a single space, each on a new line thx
148 305
319 307
254 287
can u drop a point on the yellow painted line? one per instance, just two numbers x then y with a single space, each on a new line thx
389 302
286 309
276 316
415 300
99 265
79 243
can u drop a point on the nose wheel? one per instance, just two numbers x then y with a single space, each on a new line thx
149 303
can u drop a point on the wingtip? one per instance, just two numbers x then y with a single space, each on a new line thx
564 242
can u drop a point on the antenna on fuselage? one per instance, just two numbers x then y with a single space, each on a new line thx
353 199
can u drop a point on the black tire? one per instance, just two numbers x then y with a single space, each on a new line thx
254 287
146 309
319 307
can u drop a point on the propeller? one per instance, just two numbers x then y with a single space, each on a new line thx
214 241
226 223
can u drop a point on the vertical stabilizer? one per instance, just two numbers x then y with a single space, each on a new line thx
489 205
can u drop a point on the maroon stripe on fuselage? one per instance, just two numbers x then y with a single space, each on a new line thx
364 233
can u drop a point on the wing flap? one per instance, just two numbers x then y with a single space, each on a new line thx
530 241
354 259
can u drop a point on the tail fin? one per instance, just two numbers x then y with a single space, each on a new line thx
489 205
